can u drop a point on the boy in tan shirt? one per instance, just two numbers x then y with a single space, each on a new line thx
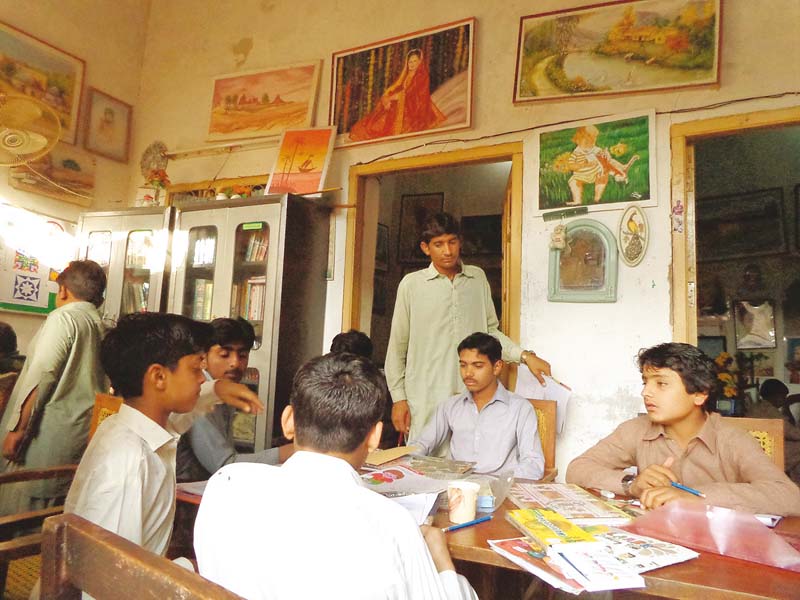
680 441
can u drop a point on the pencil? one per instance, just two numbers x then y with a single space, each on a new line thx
685 488
467 524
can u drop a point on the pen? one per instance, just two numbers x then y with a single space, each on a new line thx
675 484
467 524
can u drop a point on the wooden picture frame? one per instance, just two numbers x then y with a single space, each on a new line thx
740 225
414 211
370 85
754 324
621 47
586 270
382 248
602 163
481 234
32 67
263 102
108 128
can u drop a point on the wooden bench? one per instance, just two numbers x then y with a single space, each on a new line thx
78 555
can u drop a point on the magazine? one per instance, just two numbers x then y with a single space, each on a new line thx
571 501
532 558
549 528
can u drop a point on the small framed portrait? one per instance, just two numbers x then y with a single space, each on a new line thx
108 130
754 324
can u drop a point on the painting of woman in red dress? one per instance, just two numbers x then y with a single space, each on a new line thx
406 105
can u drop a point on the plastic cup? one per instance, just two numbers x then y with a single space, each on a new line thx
462 497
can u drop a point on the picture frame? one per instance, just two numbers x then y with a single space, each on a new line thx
586 270
33 67
65 168
622 47
603 164
792 360
740 225
414 211
481 234
633 235
370 85
382 248
108 128
754 324
712 345
263 102
302 161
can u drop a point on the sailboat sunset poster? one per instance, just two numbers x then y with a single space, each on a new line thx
302 162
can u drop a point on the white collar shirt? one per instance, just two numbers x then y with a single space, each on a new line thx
316 532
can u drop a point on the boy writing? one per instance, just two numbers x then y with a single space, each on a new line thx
330 537
680 441
487 424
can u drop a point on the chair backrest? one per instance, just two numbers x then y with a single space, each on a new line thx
546 417
79 555
7 381
105 405
768 433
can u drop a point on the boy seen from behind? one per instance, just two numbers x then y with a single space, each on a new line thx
486 424
329 536
680 441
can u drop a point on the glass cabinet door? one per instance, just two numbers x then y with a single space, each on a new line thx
136 275
98 248
198 287
244 424
251 246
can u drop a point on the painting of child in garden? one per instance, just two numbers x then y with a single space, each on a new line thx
597 164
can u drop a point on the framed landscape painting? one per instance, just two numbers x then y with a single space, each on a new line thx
618 48
599 163
33 67
407 85
263 103
302 162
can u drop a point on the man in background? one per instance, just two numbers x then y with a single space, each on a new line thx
47 419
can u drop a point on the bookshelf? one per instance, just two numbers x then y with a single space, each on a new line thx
200 267
139 252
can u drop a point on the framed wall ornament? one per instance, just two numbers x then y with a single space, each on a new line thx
633 237
585 270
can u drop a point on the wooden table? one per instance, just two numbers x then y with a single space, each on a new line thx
708 577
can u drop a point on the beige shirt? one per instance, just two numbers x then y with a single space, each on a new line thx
723 462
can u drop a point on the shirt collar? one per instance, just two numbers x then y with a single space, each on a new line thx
151 432
501 394
324 466
432 273
707 433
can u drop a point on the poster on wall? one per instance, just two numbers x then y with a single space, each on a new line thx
33 250
602 164
408 85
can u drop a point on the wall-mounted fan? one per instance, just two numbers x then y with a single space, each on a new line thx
28 129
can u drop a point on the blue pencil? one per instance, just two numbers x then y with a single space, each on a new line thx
467 524
685 488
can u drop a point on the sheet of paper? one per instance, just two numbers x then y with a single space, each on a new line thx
377 458
529 387
193 487
419 505
401 479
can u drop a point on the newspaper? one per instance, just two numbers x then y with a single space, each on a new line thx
571 501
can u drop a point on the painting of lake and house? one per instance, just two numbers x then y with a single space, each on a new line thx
617 48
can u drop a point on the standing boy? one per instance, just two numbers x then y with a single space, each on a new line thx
209 444
47 418
487 424
435 309
329 536
679 441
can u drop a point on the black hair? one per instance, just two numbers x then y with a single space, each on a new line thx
354 342
439 224
484 343
337 399
85 279
772 388
8 339
696 370
232 331
143 339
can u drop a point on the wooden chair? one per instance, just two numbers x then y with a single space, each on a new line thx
105 405
546 418
80 556
768 433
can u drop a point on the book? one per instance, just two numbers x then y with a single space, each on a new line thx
571 501
532 558
377 458
549 528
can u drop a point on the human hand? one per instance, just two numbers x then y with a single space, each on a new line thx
538 366
437 545
11 444
401 416
653 476
658 496
238 395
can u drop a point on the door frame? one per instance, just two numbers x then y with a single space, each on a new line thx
684 261
512 234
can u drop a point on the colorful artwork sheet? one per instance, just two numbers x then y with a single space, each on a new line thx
575 503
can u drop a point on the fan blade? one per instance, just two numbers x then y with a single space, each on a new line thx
19 112
21 141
